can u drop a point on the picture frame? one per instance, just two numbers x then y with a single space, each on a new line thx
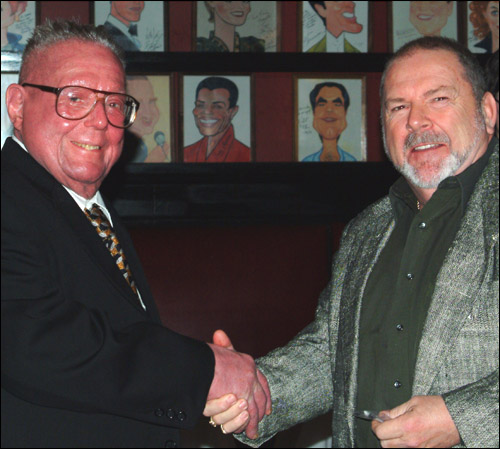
18 22
410 20
482 34
319 31
256 26
329 127
151 137
151 24
211 114
7 128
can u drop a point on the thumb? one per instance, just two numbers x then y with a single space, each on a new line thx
220 338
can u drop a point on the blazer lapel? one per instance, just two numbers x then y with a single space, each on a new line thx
458 281
368 249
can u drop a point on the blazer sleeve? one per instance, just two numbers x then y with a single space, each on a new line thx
59 351
474 409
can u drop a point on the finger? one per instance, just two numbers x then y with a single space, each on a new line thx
219 405
231 413
237 424
220 338
267 392
253 422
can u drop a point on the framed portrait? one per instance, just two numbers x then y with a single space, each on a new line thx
135 26
330 118
482 27
413 19
150 138
334 27
236 26
7 129
18 22
217 118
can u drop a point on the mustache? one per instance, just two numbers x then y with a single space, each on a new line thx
415 139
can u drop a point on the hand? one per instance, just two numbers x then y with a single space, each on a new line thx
229 412
236 373
423 421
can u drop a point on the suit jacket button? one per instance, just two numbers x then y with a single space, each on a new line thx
159 412
181 416
170 443
170 414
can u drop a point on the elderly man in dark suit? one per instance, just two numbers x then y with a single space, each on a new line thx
86 361
408 326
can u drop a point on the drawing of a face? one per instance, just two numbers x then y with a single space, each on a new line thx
339 17
148 113
429 18
233 13
491 16
127 12
329 113
212 113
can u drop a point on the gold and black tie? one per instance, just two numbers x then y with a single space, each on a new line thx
108 236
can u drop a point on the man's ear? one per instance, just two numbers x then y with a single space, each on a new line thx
234 111
489 110
14 98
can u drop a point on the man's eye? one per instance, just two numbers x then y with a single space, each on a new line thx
438 99
397 108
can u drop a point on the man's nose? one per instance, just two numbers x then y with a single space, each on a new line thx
97 116
418 118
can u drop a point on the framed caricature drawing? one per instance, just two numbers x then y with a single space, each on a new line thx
414 19
482 27
150 138
330 118
236 26
135 26
18 23
334 27
217 118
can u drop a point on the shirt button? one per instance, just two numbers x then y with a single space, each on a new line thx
399 327
397 384
422 225
409 276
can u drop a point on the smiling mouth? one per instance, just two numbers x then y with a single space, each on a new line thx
208 122
85 146
429 146
330 119
238 14
424 17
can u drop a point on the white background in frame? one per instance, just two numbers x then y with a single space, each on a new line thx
242 121
352 138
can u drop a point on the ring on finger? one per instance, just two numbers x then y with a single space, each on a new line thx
222 429
211 422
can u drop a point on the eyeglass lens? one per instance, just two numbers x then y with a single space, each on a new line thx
76 102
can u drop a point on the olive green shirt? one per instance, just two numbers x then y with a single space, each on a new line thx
400 288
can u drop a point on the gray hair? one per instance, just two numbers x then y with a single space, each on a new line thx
472 71
53 32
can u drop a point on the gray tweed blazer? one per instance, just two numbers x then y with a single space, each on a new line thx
458 353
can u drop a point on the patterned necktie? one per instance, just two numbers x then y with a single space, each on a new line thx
108 236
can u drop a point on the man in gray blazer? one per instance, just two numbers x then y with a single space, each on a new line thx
408 325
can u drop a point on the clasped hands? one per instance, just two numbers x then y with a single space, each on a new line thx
423 421
249 398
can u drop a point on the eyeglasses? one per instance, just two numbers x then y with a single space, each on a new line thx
76 102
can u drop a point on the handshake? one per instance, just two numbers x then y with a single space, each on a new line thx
239 395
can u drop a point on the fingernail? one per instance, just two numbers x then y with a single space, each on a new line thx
243 404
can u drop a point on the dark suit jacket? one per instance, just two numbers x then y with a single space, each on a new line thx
120 38
83 365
